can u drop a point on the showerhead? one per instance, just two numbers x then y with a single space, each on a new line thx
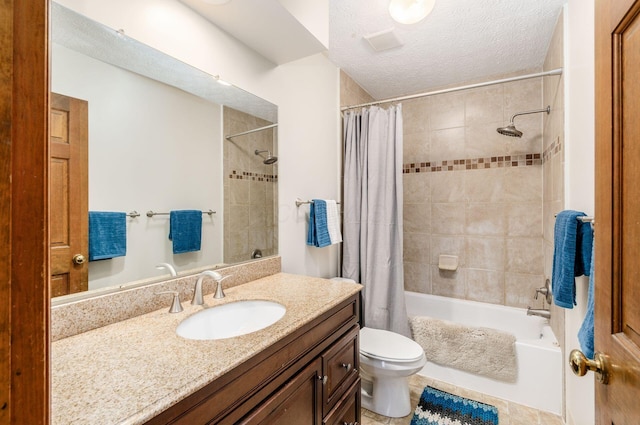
270 159
510 131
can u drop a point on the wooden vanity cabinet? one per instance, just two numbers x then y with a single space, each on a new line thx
308 377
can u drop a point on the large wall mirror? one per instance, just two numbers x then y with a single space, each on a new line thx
155 140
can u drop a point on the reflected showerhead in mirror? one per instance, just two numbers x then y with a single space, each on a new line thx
270 159
511 130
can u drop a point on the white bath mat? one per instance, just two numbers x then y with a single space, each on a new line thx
481 351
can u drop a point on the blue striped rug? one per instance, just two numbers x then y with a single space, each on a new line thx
441 408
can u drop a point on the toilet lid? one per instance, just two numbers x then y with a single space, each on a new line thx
390 346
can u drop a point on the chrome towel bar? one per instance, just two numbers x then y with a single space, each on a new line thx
152 213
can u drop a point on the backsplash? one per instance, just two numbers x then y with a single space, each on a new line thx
91 313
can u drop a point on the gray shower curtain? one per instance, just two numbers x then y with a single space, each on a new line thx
372 205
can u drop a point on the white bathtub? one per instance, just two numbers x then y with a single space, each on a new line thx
539 383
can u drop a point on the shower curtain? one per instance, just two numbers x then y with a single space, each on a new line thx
372 205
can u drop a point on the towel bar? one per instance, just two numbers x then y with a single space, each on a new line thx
582 218
152 213
301 202
133 214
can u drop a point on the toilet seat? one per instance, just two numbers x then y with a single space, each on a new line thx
389 346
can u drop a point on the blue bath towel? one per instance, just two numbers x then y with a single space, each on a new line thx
585 334
185 230
107 235
318 233
573 242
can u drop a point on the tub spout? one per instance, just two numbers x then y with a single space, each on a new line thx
538 312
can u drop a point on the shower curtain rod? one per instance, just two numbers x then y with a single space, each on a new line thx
266 127
557 71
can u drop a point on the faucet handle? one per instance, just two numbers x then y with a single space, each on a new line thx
219 292
176 307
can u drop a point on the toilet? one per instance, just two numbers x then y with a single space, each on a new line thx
387 360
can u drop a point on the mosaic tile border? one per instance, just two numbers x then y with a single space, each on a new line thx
248 175
524 160
551 150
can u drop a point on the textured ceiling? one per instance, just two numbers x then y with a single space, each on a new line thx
460 41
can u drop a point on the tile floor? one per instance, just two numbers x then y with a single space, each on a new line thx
508 413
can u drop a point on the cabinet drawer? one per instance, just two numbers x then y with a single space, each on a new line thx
297 402
347 411
340 365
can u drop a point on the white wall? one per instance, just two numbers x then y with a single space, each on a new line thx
306 91
579 178
136 162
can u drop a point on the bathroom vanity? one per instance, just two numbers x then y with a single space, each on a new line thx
304 369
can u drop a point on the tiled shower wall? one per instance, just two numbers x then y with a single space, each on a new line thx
250 189
475 194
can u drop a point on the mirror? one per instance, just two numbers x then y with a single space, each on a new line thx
157 142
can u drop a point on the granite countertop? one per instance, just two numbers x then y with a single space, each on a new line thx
128 372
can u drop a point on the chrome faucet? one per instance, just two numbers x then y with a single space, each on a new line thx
539 312
197 293
546 291
172 270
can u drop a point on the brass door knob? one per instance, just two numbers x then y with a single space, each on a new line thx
79 259
580 365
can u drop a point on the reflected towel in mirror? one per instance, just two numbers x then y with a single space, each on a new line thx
107 235
185 230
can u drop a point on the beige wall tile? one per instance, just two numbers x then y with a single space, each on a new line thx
447 144
448 186
417 218
416 116
525 255
417 188
522 96
448 283
485 286
524 219
417 247
448 245
523 184
483 105
416 147
486 253
482 140
448 219
520 289
485 185
447 111
485 218
417 277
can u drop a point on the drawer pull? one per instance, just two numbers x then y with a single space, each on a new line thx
347 366
324 379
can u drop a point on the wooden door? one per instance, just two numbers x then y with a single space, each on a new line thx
68 195
617 233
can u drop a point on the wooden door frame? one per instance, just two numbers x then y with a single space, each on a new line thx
24 226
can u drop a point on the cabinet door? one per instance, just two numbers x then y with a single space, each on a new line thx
297 402
340 364
347 411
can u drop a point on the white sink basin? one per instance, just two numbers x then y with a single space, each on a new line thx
229 320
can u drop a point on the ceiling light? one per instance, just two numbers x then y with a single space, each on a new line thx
410 11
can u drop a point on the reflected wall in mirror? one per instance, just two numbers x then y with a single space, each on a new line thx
156 142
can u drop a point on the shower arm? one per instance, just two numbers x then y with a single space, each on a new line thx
536 111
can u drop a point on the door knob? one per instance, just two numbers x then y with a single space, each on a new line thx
79 259
580 365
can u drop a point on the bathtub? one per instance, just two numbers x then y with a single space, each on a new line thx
539 382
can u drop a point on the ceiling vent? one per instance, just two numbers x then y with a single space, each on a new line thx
383 40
